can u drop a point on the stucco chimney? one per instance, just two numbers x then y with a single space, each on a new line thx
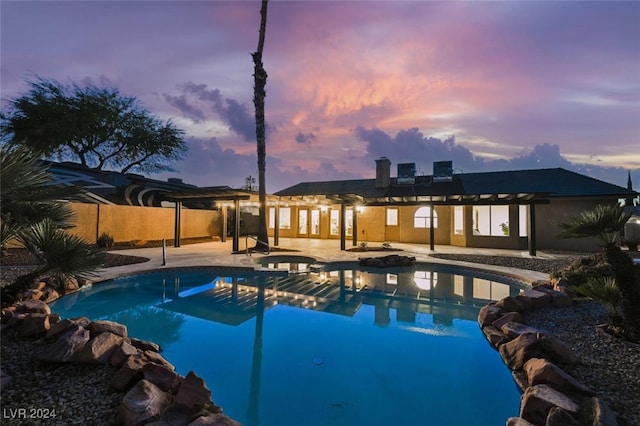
383 172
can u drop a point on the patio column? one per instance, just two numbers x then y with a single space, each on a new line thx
532 230
432 233
236 227
176 227
354 237
343 228
276 221
223 232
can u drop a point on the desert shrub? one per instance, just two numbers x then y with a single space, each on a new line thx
105 240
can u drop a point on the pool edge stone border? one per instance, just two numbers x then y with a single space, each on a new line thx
153 391
550 395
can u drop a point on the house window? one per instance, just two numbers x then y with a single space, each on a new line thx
422 218
272 217
302 222
348 221
491 221
523 220
334 222
315 222
285 218
392 217
458 220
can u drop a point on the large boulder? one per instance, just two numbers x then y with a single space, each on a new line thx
488 314
99 348
556 350
63 326
144 403
129 373
214 419
65 347
122 352
35 325
541 371
521 349
161 376
193 395
33 307
538 298
508 317
495 336
102 326
538 400
515 329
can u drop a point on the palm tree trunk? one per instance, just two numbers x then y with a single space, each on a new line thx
260 81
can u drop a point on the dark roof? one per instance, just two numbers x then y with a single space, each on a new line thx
491 187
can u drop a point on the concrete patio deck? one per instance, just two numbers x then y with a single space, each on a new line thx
217 253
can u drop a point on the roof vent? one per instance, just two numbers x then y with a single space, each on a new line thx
406 173
442 171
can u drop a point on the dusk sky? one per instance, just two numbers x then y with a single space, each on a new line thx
491 86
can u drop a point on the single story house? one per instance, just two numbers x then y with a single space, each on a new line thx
519 209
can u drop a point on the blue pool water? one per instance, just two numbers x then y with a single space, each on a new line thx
340 346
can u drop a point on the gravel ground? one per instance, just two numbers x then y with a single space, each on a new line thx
81 395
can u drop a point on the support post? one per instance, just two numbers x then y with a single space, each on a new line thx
164 252
236 228
355 226
532 230
223 232
343 226
276 224
432 232
176 230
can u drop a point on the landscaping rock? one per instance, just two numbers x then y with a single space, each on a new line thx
541 371
538 400
217 419
556 350
99 348
97 327
144 345
129 373
65 347
488 314
518 421
559 417
193 394
495 336
143 403
538 299
161 376
65 325
122 352
521 349
514 329
511 304
508 317
35 325
33 307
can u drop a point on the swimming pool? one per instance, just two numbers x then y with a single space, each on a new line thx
330 345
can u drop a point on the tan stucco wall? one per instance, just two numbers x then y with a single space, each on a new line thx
129 223
372 220
549 217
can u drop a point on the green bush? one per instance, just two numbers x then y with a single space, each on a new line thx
105 240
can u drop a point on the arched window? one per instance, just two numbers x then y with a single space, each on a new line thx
422 218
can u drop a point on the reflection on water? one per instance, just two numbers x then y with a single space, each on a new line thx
253 324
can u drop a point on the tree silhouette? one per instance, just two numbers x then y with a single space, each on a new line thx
260 81
94 126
